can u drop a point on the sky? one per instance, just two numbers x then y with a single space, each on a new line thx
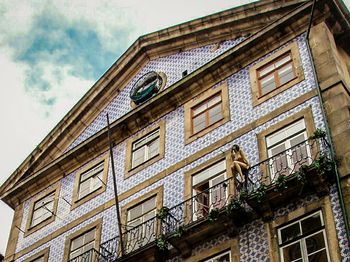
52 52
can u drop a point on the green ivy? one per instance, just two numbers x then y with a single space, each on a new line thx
301 174
179 231
234 206
161 243
319 133
162 213
260 192
281 183
213 214
323 165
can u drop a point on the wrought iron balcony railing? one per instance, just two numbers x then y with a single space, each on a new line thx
212 201
92 255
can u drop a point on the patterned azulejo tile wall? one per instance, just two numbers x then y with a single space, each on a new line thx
242 113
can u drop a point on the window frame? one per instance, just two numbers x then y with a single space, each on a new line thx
197 101
43 253
302 237
188 177
231 245
323 204
76 200
129 170
305 114
257 95
97 225
157 193
31 229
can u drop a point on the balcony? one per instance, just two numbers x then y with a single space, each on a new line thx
89 256
306 168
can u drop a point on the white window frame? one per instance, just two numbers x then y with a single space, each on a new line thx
204 176
46 208
218 256
284 137
93 179
83 248
145 142
131 243
301 239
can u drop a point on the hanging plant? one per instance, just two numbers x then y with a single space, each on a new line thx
260 192
301 174
162 213
234 207
281 183
161 243
179 231
243 196
213 214
319 133
323 165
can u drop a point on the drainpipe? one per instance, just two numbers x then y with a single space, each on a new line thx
328 131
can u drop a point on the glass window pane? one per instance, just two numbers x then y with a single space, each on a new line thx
286 74
201 108
214 100
311 223
138 157
267 84
135 212
215 114
199 123
283 60
149 205
153 149
223 258
77 242
315 243
320 256
290 232
266 70
292 252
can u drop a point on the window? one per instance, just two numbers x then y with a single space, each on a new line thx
82 243
209 189
43 210
90 181
41 256
206 112
288 149
142 228
304 240
224 257
145 149
139 219
276 73
285 145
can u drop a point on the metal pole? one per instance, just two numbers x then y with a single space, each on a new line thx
115 187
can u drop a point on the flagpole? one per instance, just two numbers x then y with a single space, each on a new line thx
115 187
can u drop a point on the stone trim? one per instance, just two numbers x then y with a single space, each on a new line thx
325 205
97 225
172 169
128 158
44 253
298 70
29 230
231 244
76 201
223 88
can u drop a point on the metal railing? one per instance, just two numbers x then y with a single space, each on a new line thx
210 202
92 255
133 239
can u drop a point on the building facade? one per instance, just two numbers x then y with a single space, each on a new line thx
271 77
